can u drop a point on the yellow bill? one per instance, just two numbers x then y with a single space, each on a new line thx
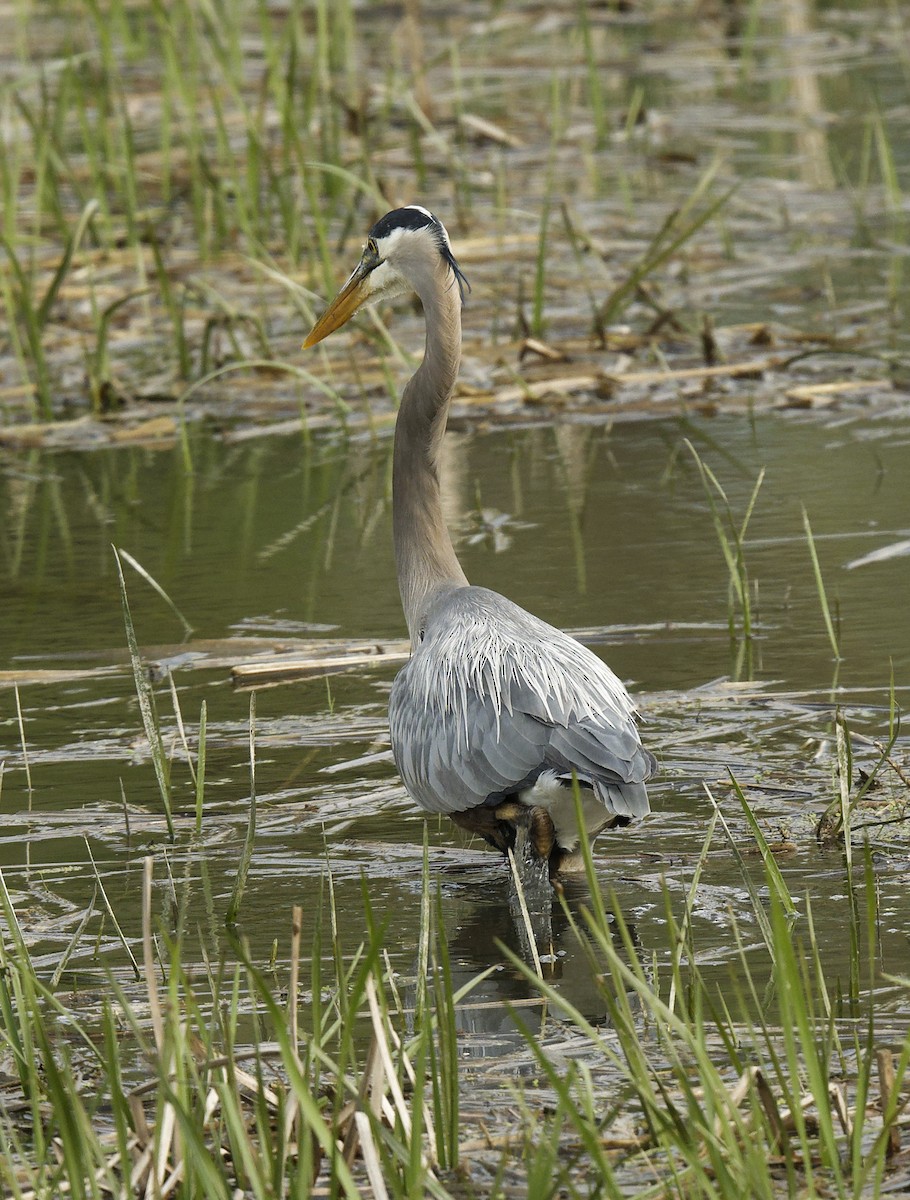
354 294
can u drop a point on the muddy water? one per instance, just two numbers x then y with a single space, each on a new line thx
595 528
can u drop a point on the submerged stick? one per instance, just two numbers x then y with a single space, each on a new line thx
525 914
255 674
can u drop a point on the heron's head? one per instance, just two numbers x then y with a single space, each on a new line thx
404 252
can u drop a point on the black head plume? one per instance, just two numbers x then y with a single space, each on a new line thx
414 216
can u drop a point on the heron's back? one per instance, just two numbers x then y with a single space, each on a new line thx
493 697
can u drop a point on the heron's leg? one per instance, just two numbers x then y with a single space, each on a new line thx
487 822
536 821
543 832
572 862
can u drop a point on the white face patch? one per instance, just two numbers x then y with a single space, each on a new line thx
384 281
386 246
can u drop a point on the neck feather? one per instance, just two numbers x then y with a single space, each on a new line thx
424 555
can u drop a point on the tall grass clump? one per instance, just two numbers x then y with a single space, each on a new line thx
342 1076
731 536
678 229
742 1090
29 312
217 1083
228 152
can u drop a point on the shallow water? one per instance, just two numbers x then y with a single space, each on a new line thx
600 526
596 528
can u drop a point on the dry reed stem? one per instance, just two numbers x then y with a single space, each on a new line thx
480 127
768 1101
369 1091
64 1187
63 675
412 1079
385 1056
568 384
250 1085
255 674
837 1093
167 1126
818 394
370 1156
525 915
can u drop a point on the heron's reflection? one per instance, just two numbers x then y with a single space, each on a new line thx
487 920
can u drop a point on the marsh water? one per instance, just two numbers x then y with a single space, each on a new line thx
602 529
577 129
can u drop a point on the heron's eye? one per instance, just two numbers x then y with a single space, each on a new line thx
372 249
422 634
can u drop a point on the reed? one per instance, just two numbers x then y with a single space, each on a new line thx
147 705
249 841
678 229
731 536
833 638
738 1093
355 1086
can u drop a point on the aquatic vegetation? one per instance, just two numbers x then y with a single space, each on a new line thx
354 1082
731 536
700 212
173 177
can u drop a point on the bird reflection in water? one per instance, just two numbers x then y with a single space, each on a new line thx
484 919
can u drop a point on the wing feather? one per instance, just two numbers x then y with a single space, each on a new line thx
493 696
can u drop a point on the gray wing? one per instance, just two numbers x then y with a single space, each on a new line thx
493 696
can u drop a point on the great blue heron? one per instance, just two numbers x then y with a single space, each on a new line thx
496 711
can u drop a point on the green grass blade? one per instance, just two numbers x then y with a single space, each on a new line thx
663 246
200 768
761 916
773 870
60 274
820 585
146 698
156 586
246 853
110 912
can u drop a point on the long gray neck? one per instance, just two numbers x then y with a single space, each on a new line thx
424 555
